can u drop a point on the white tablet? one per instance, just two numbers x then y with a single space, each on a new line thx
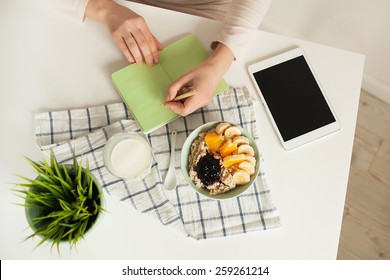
296 103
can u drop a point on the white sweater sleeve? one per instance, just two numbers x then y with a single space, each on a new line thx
242 19
73 8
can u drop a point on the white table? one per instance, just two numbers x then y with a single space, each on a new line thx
48 61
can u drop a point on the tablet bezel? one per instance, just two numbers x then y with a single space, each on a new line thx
309 136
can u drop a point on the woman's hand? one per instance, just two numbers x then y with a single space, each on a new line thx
128 29
203 79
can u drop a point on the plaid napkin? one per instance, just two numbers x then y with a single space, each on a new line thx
86 131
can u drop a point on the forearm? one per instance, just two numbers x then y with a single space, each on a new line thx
221 59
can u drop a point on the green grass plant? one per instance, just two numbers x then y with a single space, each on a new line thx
63 201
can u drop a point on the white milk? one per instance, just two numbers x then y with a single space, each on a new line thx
129 158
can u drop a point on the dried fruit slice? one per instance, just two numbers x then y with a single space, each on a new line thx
233 159
247 166
221 127
239 140
232 131
241 177
246 149
227 148
251 159
213 141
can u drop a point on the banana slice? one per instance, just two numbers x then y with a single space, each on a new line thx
221 127
246 149
241 177
251 159
239 140
232 131
247 166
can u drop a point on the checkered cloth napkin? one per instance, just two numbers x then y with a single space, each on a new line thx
86 131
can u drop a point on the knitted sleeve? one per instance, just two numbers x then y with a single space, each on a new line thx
242 19
73 8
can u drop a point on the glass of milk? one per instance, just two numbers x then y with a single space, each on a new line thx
128 155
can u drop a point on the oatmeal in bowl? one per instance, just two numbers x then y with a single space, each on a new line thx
220 160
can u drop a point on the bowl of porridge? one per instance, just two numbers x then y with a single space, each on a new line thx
220 160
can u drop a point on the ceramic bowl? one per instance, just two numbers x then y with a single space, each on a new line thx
186 150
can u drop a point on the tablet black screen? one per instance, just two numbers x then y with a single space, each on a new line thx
294 98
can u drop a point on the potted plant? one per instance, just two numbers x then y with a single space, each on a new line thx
62 203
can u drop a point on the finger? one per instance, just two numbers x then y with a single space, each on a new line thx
133 47
176 107
154 45
177 87
158 44
182 109
144 47
172 93
151 41
145 41
123 48
159 48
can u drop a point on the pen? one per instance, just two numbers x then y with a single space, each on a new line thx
185 95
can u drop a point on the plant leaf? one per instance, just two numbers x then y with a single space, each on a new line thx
54 165
36 165
68 179
90 189
65 205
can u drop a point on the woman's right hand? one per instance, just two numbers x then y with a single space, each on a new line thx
128 29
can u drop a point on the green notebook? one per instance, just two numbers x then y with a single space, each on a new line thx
143 88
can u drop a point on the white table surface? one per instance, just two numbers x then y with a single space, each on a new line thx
50 62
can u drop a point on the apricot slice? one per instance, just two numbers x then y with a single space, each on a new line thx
213 141
227 148
233 159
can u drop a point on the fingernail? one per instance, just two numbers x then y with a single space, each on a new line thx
131 60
